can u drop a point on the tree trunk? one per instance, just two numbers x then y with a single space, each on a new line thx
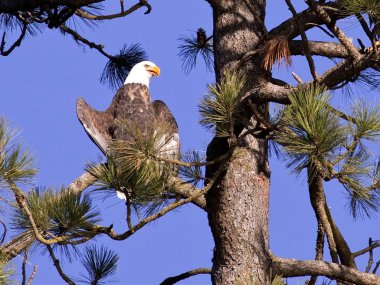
238 203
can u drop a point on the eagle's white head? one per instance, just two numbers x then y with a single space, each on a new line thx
142 73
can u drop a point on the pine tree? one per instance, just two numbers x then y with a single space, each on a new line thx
231 184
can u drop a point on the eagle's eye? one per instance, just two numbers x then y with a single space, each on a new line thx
146 65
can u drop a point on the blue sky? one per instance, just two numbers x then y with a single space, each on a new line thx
40 83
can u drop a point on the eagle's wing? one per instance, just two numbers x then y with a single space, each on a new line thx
96 124
171 146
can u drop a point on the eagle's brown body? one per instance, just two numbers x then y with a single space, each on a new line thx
131 105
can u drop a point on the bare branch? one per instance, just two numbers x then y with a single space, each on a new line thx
17 43
376 267
78 37
30 280
81 183
180 277
370 259
293 268
318 249
305 44
140 4
289 28
3 235
58 266
326 49
366 249
326 19
23 267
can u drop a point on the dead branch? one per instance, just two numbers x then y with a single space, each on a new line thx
339 34
292 268
58 266
140 4
35 269
180 277
17 43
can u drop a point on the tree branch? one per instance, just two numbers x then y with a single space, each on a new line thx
79 38
35 269
366 249
293 268
17 43
289 28
326 49
140 4
58 266
180 277
200 193
305 42
326 19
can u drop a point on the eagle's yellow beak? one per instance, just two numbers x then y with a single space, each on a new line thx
154 70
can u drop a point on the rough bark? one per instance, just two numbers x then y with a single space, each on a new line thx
292 268
238 204
337 244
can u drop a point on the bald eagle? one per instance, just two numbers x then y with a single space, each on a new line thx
131 104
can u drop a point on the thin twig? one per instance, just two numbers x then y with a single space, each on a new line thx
35 269
305 43
365 27
180 277
318 249
17 43
58 266
89 16
376 267
339 34
370 259
366 249
2 238
23 267
129 213
81 39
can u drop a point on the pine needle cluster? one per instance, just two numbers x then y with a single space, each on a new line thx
100 264
313 136
137 168
57 214
191 46
119 65
193 174
7 272
219 108
370 7
16 164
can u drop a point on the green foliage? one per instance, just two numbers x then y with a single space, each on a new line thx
7 272
190 47
367 121
100 264
118 67
370 7
57 214
313 136
309 132
193 174
218 109
16 164
136 169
